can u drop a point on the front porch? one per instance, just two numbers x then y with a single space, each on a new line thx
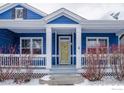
54 57
59 46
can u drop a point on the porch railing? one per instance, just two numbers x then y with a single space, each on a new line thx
108 59
103 59
17 60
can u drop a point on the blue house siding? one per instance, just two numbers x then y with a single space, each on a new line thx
6 15
62 20
29 14
113 39
7 39
34 35
32 15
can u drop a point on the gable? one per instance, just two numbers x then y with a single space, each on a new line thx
28 14
62 20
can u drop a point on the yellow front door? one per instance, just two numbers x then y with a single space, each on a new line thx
64 51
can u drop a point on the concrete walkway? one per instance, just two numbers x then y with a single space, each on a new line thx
63 79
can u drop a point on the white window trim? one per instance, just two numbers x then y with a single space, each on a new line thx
97 41
16 15
31 39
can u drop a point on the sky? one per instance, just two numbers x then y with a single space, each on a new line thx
89 11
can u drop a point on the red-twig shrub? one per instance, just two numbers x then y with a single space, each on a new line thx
117 62
24 69
96 63
15 65
6 71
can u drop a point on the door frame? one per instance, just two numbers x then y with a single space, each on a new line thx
69 40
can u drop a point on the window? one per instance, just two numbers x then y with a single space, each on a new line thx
91 44
18 13
26 46
97 44
102 42
37 45
31 46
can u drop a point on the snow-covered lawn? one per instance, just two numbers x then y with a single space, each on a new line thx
104 81
11 82
32 82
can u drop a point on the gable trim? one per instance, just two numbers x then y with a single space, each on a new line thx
9 6
57 17
66 13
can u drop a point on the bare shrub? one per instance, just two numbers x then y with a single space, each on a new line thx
25 71
117 62
15 66
6 64
96 63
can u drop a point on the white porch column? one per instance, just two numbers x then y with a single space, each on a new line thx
78 47
48 47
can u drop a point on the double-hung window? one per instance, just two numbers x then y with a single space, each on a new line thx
31 45
95 44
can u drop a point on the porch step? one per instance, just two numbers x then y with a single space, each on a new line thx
63 71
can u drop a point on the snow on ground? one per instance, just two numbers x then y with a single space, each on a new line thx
32 82
6 82
11 82
46 78
104 81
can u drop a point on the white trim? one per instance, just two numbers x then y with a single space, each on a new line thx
119 41
73 47
49 47
9 6
34 9
62 25
78 47
31 48
20 46
69 41
56 48
19 8
40 24
6 7
65 12
97 38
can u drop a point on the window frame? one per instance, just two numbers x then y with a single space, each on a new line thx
31 42
97 41
16 18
